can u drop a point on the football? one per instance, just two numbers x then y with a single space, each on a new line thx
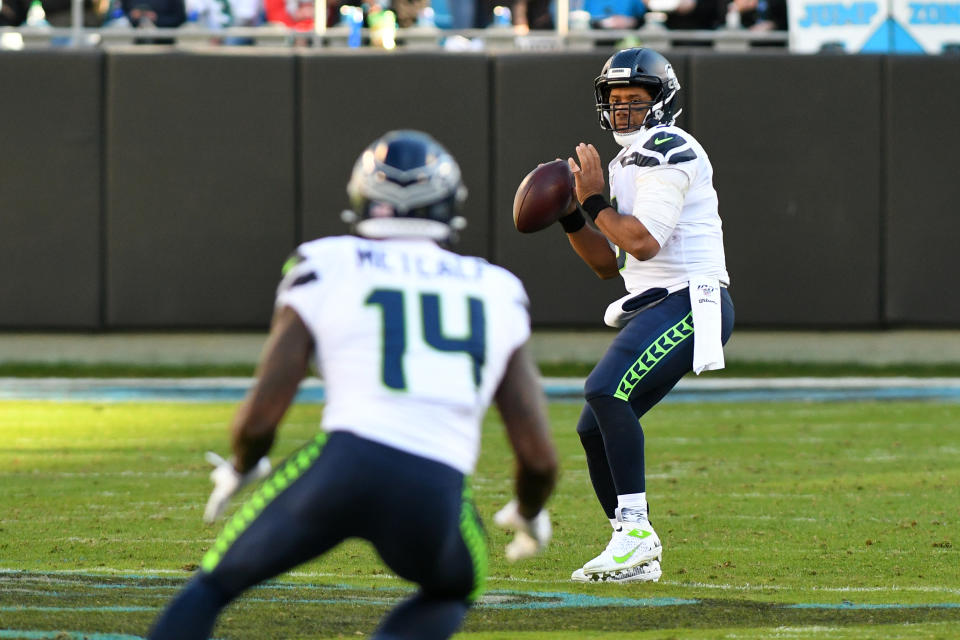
543 196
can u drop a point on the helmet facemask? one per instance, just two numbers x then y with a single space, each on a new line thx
637 67
638 112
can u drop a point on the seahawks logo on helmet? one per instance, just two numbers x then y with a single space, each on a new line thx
406 185
639 67
671 77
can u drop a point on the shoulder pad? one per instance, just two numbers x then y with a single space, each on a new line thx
297 271
295 258
662 142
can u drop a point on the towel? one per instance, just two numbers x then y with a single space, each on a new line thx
621 311
707 343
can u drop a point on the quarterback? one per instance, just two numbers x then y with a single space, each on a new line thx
660 230
413 342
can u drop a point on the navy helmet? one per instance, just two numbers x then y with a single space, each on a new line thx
638 67
406 185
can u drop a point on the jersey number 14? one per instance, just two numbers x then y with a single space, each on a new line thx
392 304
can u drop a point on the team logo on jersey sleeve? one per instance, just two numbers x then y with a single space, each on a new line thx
684 156
304 279
639 159
667 147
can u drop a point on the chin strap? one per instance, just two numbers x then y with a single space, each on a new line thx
627 139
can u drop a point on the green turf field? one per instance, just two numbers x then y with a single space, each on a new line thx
831 520
734 369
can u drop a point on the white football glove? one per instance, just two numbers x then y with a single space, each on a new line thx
227 481
531 535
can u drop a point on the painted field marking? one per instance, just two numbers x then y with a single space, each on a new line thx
160 574
495 599
489 600
103 609
857 605
63 635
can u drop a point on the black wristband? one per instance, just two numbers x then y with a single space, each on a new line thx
593 205
572 222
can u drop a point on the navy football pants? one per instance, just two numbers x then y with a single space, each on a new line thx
417 513
645 361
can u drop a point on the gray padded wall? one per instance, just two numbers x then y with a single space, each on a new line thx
50 189
216 164
200 186
348 99
795 143
923 190
543 107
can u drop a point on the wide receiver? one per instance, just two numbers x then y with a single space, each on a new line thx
413 342
661 232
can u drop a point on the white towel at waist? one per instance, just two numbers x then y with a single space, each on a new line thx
623 310
707 343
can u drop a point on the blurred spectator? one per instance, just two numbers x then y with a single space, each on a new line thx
209 14
373 9
532 14
761 15
464 13
526 14
59 13
159 13
690 14
246 13
297 14
484 17
407 10
13 13
615 14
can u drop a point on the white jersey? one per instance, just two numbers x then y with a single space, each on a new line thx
412 340
694 246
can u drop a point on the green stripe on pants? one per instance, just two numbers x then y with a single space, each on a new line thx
281 478
476 543
656 352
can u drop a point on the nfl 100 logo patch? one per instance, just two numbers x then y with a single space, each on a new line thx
706 292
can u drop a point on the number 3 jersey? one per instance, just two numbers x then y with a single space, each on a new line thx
691 243
412 340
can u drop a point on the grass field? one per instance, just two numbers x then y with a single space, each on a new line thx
734 369
834 520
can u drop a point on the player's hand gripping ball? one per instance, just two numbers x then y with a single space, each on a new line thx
543 196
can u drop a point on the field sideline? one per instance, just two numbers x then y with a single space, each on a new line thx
786 520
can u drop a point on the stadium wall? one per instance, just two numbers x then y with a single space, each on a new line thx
146 187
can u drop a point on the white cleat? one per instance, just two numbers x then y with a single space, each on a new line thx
649 572
636 543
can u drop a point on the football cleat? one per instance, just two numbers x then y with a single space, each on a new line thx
634 544
648 572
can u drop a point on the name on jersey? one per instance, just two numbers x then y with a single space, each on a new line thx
424 266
